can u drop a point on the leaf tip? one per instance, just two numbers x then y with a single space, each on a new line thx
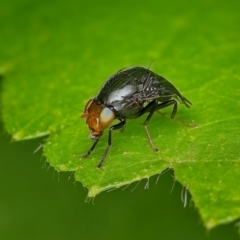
93 191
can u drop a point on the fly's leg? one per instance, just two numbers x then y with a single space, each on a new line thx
112 128
191 125
146 129
174 111
90 150
151 108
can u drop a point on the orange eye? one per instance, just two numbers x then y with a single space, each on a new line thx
106 117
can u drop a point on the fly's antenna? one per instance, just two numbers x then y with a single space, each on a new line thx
76 109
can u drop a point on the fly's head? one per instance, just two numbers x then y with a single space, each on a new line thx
98 116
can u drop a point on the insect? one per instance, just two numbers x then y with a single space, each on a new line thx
129 94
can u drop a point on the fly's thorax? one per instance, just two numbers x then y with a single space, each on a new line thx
98 116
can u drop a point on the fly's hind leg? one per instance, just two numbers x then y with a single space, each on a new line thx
173 116
192 125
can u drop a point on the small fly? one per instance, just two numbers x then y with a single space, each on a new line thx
129 94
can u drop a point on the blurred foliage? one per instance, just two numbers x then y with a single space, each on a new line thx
56 55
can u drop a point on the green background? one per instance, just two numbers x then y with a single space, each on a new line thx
55 55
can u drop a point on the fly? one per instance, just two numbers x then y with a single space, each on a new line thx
129 94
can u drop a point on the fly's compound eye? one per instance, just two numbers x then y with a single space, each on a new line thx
106 117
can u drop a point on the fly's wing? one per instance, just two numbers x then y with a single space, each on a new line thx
136 85
153 86
167 90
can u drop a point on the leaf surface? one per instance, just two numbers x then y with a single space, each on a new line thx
55 57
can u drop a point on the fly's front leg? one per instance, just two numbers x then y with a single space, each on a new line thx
112 128
90 150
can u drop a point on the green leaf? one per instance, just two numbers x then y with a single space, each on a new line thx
57 55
